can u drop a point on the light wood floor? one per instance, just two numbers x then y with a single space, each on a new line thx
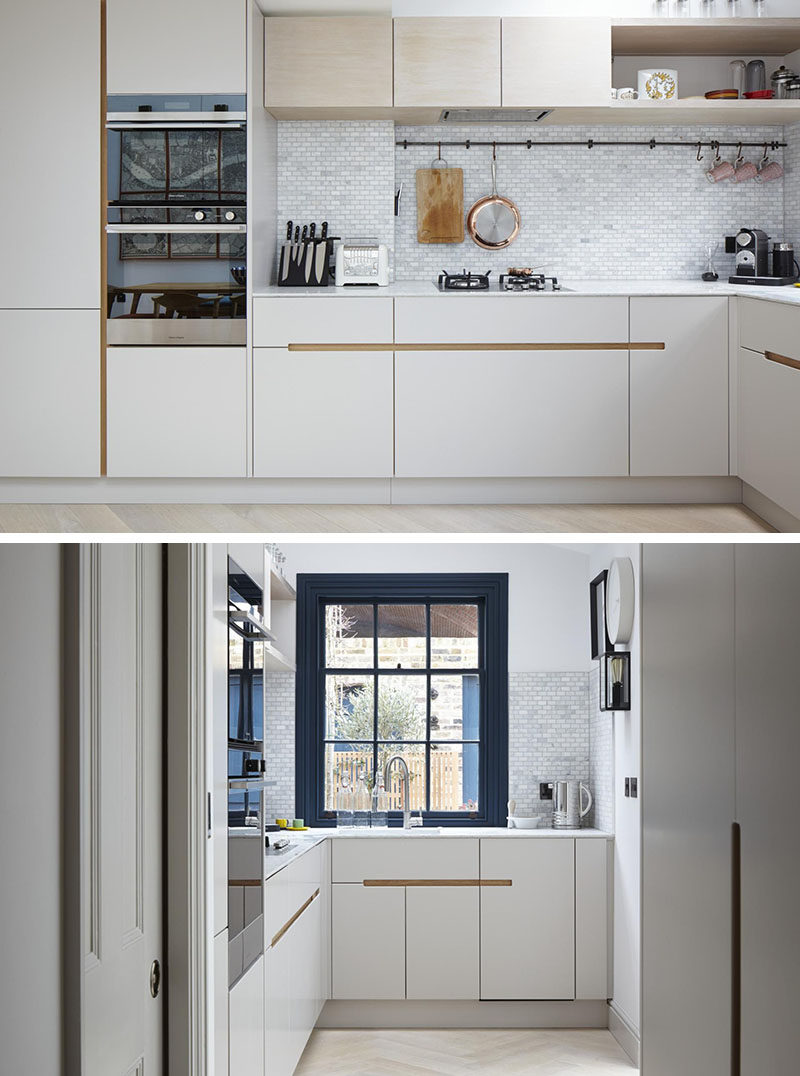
471 1052
326 518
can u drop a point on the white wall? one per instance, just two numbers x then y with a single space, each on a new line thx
30 809
627 812
548 622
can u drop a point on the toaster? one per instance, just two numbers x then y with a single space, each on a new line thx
362 261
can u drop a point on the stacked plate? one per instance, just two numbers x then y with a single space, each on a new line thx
722 95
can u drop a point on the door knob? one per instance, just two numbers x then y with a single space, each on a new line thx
155 978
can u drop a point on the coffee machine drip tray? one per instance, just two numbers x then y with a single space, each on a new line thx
763 281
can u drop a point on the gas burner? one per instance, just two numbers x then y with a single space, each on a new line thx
521 280
463 281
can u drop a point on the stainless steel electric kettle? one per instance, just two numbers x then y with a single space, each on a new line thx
568 805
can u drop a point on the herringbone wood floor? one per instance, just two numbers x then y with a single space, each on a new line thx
463 1052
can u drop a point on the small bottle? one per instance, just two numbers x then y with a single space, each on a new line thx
380 804
344 804
363 803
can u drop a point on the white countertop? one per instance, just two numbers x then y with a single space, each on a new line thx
422 288
303 842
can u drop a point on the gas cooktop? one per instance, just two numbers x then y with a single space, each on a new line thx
513 280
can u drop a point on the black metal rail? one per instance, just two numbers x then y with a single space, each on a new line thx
590 143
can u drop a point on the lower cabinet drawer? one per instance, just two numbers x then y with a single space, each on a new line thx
369 942
765 325
177 412
396 858
769 428
478 414
322 414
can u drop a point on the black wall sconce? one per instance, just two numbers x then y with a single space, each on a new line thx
615 681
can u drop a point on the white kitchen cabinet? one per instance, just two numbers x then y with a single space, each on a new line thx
443 942
512 319
511 413
185 46
769 326
446 62
340 318
556 61
355 858
591 919
220 1012
528 928
50 181
177 412
246 1015
327 62
679 395
278 1044
322 414
769 428
368 942
50 403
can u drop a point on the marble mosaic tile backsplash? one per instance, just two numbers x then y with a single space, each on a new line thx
600 213
555 731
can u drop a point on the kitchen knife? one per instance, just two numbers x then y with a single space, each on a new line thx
312 231
324 229
309 253
322 253
289 231
296 247
305 233
286 255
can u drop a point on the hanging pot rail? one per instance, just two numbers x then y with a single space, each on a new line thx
590 143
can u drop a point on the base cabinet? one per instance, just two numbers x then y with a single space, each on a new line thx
476 414
50 403
177 412
442 943
369 942
679 395
769 428
246 1016
325 414
528 928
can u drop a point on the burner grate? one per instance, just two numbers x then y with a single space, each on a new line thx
464 281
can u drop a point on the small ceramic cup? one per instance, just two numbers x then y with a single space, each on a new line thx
627 93
769 170
282 822
744 171
721 170
297 823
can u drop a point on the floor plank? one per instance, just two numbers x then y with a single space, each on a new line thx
463 1052
381 518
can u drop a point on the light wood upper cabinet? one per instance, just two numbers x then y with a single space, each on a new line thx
185 46
556 61
336 62
447 62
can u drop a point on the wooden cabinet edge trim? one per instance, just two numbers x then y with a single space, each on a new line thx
570 346
782 360
434 882
277 937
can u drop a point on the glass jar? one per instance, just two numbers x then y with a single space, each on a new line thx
793 89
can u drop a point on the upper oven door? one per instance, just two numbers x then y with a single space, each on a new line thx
176 228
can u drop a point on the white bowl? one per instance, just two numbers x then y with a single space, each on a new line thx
523 822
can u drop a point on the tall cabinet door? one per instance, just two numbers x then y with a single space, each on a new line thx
528 927
679 395
369 942
768 750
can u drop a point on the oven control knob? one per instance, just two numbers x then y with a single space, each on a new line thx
199 214
230 215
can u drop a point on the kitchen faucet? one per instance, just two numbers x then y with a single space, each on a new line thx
406 788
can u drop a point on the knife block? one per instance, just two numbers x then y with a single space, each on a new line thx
304 265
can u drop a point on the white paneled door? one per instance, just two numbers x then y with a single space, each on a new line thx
121 710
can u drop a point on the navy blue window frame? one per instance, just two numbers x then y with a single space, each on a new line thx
490 592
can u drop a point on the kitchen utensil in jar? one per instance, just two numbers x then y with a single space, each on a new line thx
494 221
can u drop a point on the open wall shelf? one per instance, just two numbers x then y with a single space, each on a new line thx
704 37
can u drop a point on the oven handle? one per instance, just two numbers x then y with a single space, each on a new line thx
176 125
174 229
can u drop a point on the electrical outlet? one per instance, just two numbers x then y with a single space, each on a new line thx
635 787
627 787
545 790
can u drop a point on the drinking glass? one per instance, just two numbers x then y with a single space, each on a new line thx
759 8
683 8
734 8
661 8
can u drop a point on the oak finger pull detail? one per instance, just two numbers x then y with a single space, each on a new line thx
782 360
277 937
435 882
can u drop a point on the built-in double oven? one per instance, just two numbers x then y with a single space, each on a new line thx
177 220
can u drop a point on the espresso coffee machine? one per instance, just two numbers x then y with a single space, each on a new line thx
751 247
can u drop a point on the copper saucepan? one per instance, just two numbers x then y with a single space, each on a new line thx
493 222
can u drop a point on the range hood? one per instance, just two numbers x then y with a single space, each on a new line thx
493 115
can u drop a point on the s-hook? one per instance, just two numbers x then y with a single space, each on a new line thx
699 154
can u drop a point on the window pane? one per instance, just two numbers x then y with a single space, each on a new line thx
401 707
414 755
454 777
349 637
344 759
455 707
454 636
349 708
402 635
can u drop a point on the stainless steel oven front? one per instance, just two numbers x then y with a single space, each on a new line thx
176 220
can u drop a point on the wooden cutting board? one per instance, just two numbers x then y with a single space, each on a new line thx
440 205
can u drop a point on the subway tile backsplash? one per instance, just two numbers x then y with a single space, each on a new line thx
602 213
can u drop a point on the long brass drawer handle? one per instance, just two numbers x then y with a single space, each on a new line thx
277 937
623 345
427 882
783 360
